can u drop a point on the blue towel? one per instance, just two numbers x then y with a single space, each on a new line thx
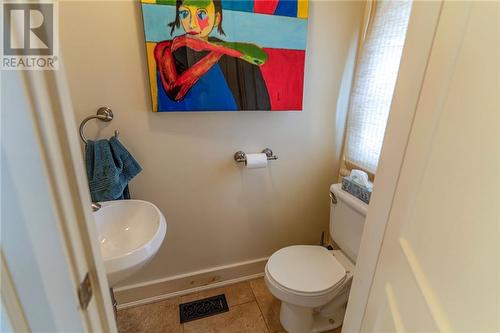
110 167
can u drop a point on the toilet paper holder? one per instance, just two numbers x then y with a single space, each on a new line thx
241 157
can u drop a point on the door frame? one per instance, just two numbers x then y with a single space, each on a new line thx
54 127
424 19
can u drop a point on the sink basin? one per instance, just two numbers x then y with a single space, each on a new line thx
130 233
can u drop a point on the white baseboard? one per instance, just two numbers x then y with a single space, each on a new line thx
178 285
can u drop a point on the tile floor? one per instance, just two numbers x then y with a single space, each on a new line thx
252 309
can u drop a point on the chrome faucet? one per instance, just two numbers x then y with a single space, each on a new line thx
96 206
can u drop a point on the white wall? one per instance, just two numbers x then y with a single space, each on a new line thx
217 213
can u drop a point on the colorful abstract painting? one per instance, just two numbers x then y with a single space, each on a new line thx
225 55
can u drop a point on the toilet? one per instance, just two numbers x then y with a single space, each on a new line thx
312 282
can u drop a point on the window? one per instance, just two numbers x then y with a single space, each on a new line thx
373 84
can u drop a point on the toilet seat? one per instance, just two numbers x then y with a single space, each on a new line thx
305 270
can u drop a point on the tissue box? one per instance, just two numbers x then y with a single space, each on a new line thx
361 192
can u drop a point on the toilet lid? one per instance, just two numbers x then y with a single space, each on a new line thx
305 269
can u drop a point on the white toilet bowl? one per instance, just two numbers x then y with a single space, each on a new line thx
313 286
313 283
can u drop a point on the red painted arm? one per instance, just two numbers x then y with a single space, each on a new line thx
201 45
177 86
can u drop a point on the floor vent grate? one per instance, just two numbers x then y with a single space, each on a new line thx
203 308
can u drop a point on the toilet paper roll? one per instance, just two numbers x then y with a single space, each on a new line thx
255 161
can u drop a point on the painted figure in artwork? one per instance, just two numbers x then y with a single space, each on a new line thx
198 71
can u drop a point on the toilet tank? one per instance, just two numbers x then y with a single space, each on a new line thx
347 220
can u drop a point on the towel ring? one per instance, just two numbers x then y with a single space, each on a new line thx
103 113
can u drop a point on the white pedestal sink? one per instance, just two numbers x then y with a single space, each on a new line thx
130 233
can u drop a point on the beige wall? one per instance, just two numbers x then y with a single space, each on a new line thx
217 213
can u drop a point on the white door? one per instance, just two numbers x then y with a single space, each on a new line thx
47 242
438 269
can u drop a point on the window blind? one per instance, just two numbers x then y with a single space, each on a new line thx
373 84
